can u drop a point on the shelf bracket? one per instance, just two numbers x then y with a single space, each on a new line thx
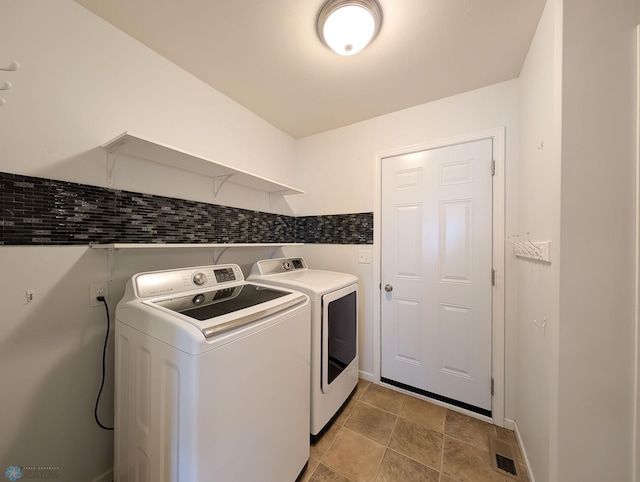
276 195
110 262
112 157
218 182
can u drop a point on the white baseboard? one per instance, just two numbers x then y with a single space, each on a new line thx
509 424
106 477
367 376
523 449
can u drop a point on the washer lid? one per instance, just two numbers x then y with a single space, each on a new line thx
221 310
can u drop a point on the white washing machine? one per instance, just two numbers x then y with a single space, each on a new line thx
212 378
334 331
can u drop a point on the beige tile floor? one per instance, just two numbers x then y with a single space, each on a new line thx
386 436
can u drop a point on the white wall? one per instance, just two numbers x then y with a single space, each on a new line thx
596 324
539 197
337 170
83 82
575 378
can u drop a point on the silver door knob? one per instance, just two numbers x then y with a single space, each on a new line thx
388 287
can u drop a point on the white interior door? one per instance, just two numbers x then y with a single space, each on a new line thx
436 272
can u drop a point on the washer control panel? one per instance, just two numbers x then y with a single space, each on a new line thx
186 279
224 275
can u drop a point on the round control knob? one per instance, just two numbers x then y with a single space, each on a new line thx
286 265
198 300
199 278
388 287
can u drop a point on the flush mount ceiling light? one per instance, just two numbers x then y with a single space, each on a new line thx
347 26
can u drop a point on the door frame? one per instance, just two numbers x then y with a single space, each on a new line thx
498 135
636 406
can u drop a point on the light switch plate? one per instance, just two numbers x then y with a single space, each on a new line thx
364 256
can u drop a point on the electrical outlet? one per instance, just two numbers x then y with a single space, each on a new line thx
98 289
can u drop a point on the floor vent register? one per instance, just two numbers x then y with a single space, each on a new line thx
503 456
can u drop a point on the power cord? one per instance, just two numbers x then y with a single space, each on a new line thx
104 355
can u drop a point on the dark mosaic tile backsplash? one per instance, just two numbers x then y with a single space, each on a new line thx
330 229
36 211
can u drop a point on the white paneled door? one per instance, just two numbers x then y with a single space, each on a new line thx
436 272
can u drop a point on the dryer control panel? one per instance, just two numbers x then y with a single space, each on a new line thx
156 283
278 265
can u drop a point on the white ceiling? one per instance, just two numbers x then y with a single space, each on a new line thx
266 54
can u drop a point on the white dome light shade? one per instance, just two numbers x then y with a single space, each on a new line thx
347 26
348 30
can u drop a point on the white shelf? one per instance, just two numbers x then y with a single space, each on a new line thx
187 245
136 146
112 247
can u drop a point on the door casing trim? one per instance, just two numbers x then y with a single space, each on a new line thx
636 406
498 299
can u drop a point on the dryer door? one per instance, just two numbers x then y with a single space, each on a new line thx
339 333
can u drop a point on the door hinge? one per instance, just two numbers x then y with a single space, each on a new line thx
493 277
493 167
492 387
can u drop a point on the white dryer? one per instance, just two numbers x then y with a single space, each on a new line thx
334 331
211 378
